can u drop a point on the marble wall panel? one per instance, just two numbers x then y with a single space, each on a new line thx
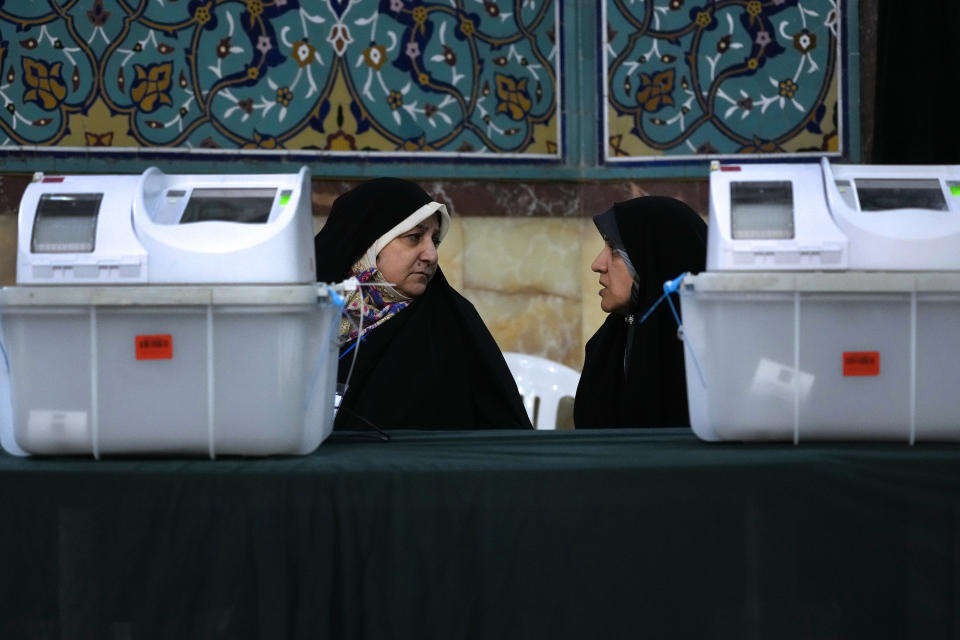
539 324
451 254
522 255
530 280
11 189
508 198
8 250
530 198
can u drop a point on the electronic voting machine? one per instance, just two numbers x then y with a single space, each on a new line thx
828 307
166 314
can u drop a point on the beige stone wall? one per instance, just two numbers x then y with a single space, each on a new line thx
525 277
8 249
10 191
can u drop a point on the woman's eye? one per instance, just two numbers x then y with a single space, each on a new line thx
436 241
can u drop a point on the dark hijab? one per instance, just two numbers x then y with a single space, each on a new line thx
434 365
663 238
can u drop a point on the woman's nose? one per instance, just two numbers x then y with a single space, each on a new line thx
429 251
599 264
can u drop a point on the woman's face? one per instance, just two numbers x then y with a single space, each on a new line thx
410 260
615 281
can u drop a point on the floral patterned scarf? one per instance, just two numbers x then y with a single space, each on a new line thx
378 303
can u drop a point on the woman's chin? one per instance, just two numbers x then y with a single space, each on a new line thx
413 289
609 306
605 305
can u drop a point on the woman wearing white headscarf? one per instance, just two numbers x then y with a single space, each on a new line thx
426 360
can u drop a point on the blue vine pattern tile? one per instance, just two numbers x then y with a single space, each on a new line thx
694 80
390 78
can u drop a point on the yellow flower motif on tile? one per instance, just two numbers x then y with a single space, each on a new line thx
753 63
152 85
656 92
284 96
467 26
788 88
253 73
395 100
514 99
420 144
423 78
340 141
754 8
262 142
420 18
202 14
98 139
704 18
98 126
761 146
46 89
255 7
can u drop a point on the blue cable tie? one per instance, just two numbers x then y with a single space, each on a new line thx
337 300
672 286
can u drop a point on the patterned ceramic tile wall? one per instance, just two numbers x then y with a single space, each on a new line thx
445 80
392 76
689 79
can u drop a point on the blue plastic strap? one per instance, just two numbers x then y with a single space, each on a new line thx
337 299
672 286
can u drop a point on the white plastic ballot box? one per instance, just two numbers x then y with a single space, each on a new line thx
159 314
828 308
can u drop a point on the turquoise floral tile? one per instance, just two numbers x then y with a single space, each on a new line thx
354 77
708 79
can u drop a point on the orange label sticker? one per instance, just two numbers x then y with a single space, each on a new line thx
158 347
861 363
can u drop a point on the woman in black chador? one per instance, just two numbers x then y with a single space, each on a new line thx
425 359
633 373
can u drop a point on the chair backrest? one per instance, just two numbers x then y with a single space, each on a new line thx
543 384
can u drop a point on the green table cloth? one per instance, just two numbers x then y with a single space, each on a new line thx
590 534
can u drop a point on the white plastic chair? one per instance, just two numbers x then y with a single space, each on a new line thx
543 384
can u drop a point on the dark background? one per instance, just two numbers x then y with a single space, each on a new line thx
915 114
